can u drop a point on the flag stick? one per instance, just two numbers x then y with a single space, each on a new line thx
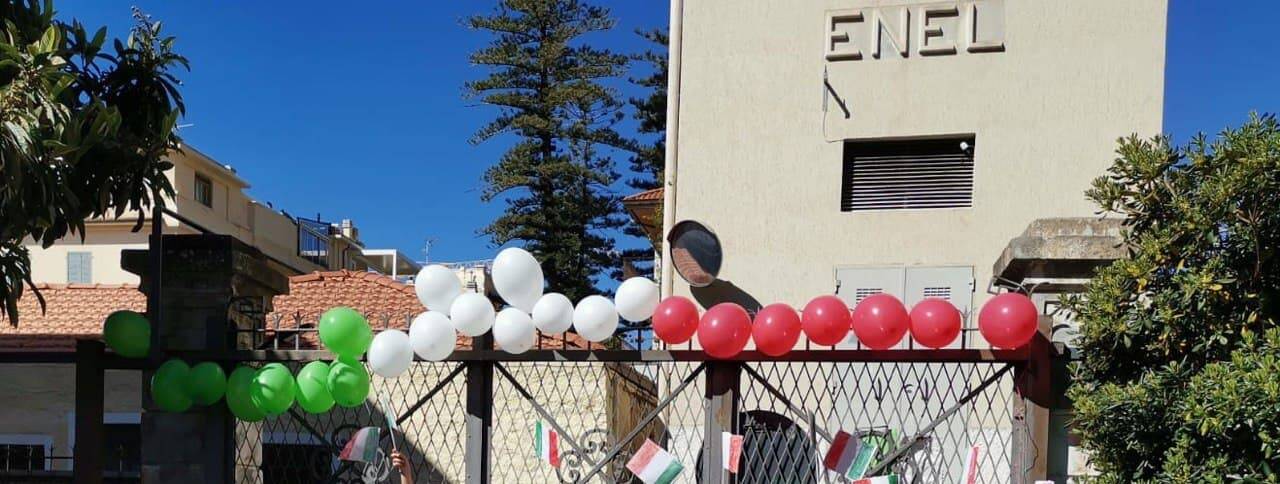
391 421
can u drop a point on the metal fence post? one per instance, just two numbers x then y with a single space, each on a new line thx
90 389
722 395
479 413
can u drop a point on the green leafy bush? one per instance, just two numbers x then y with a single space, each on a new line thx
1179 378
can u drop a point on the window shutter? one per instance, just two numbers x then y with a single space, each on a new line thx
79 267
907 174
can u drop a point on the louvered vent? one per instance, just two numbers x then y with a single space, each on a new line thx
865 292
888 175
938 292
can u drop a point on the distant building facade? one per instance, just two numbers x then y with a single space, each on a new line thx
82 281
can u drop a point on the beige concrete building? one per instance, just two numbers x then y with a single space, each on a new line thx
211 195
82 281
898 146
863 146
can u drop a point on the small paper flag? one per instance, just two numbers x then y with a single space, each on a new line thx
731 451
889 479
970 475
363 446
840 455
863 458
548 443
653 465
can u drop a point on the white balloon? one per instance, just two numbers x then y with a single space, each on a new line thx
389 354
472 314
431 336
517 277
636 299
513 331
553 313
595 318
437 286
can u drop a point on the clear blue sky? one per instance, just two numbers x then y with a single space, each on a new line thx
355 111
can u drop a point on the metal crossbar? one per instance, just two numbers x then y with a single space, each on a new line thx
780 396
563 435
431 393
907 444
644 422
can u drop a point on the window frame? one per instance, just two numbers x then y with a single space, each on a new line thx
88 273
42 440
208 182
847 172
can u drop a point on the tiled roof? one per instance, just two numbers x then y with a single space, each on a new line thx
78 310
374 295
386 302
645 196
72 311
645 208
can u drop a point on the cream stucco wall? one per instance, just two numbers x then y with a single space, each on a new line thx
45 405
232 212
760 163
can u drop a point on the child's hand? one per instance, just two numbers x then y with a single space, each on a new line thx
400 463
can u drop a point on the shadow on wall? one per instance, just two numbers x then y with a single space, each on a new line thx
722 291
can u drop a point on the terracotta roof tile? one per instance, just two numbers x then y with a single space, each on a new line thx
385 302
645 196
72 311
78 310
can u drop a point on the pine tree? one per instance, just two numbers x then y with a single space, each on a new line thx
551 89
648 155
651 114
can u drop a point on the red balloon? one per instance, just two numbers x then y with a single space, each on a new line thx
935 323
1009 320
675 320
724 330
880 321
826 320
776 329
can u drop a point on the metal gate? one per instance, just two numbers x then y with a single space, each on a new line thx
472 420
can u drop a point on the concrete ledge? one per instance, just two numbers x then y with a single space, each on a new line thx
1068 250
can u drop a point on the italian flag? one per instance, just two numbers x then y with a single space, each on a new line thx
548 443
653 465
363 446
889 479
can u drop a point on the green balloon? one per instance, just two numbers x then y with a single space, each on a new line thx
313 388
128 334
239 400
272 389
169 386
207 383
345 332
348 382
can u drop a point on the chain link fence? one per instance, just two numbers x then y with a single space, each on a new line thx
929 414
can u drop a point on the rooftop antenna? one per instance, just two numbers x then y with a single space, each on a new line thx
426 249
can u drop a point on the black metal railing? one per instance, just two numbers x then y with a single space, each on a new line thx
313 241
